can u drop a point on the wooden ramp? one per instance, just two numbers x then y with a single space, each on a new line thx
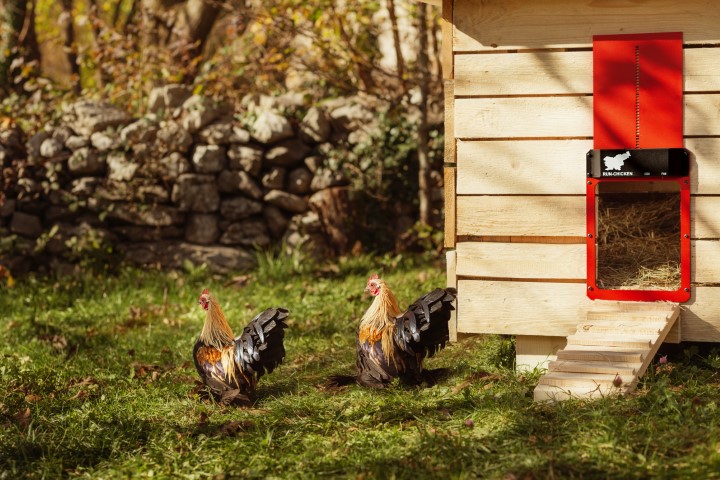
609 351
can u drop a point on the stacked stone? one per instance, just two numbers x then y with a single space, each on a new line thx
186 181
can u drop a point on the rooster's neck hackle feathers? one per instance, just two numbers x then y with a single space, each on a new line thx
216 331
379 320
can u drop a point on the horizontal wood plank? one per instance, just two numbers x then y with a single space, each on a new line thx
560 117
705 219
488 25
705 262
521 260
549 167
561 261
555 309
562 72
557 167
521 215
526 73
704 165
520 308
523 117
529 215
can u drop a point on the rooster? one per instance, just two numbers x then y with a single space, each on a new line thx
392 344
231 366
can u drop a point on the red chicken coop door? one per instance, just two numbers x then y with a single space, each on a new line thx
638 188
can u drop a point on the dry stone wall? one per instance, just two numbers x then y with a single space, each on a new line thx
192 180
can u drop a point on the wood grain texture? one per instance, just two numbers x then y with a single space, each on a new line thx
705 262
523 117
521 308
487 25
704 165
450 265
557 167
560 117
450 209
555 309
561 261
562 73
522 260
521 215
525 73
705 213
543 167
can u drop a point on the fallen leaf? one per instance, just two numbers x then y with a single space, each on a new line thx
23 417
233 428
32 398
85 381
81 394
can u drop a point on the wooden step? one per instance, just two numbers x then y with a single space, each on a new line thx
622 326
602 354
608 353
632 341
620 368
583 380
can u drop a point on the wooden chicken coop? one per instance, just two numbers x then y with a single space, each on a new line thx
548 103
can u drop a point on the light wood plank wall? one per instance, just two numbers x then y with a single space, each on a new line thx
521 107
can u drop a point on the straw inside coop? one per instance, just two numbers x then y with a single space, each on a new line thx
638 241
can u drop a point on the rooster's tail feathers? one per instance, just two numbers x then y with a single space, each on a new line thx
423 328
260 348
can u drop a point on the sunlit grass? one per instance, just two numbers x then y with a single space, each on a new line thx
97 379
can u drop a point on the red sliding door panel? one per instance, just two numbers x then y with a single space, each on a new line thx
638 140
637 91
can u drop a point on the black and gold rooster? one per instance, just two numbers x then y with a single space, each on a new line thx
392 344
231 366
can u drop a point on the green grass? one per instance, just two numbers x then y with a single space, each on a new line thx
97 381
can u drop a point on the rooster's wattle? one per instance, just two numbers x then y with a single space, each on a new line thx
392 344
231 366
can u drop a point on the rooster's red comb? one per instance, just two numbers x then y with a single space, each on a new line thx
205 292
374 276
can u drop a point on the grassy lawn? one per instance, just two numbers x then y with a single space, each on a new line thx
97 380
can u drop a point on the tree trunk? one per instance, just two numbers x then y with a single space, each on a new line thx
13 16
68 25
28 36
398 47
332 206
130 16
435 50
116 13
200 16
424 194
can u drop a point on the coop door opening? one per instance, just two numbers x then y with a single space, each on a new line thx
638 236
639 239
638 194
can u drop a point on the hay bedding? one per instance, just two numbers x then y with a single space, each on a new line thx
638 241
